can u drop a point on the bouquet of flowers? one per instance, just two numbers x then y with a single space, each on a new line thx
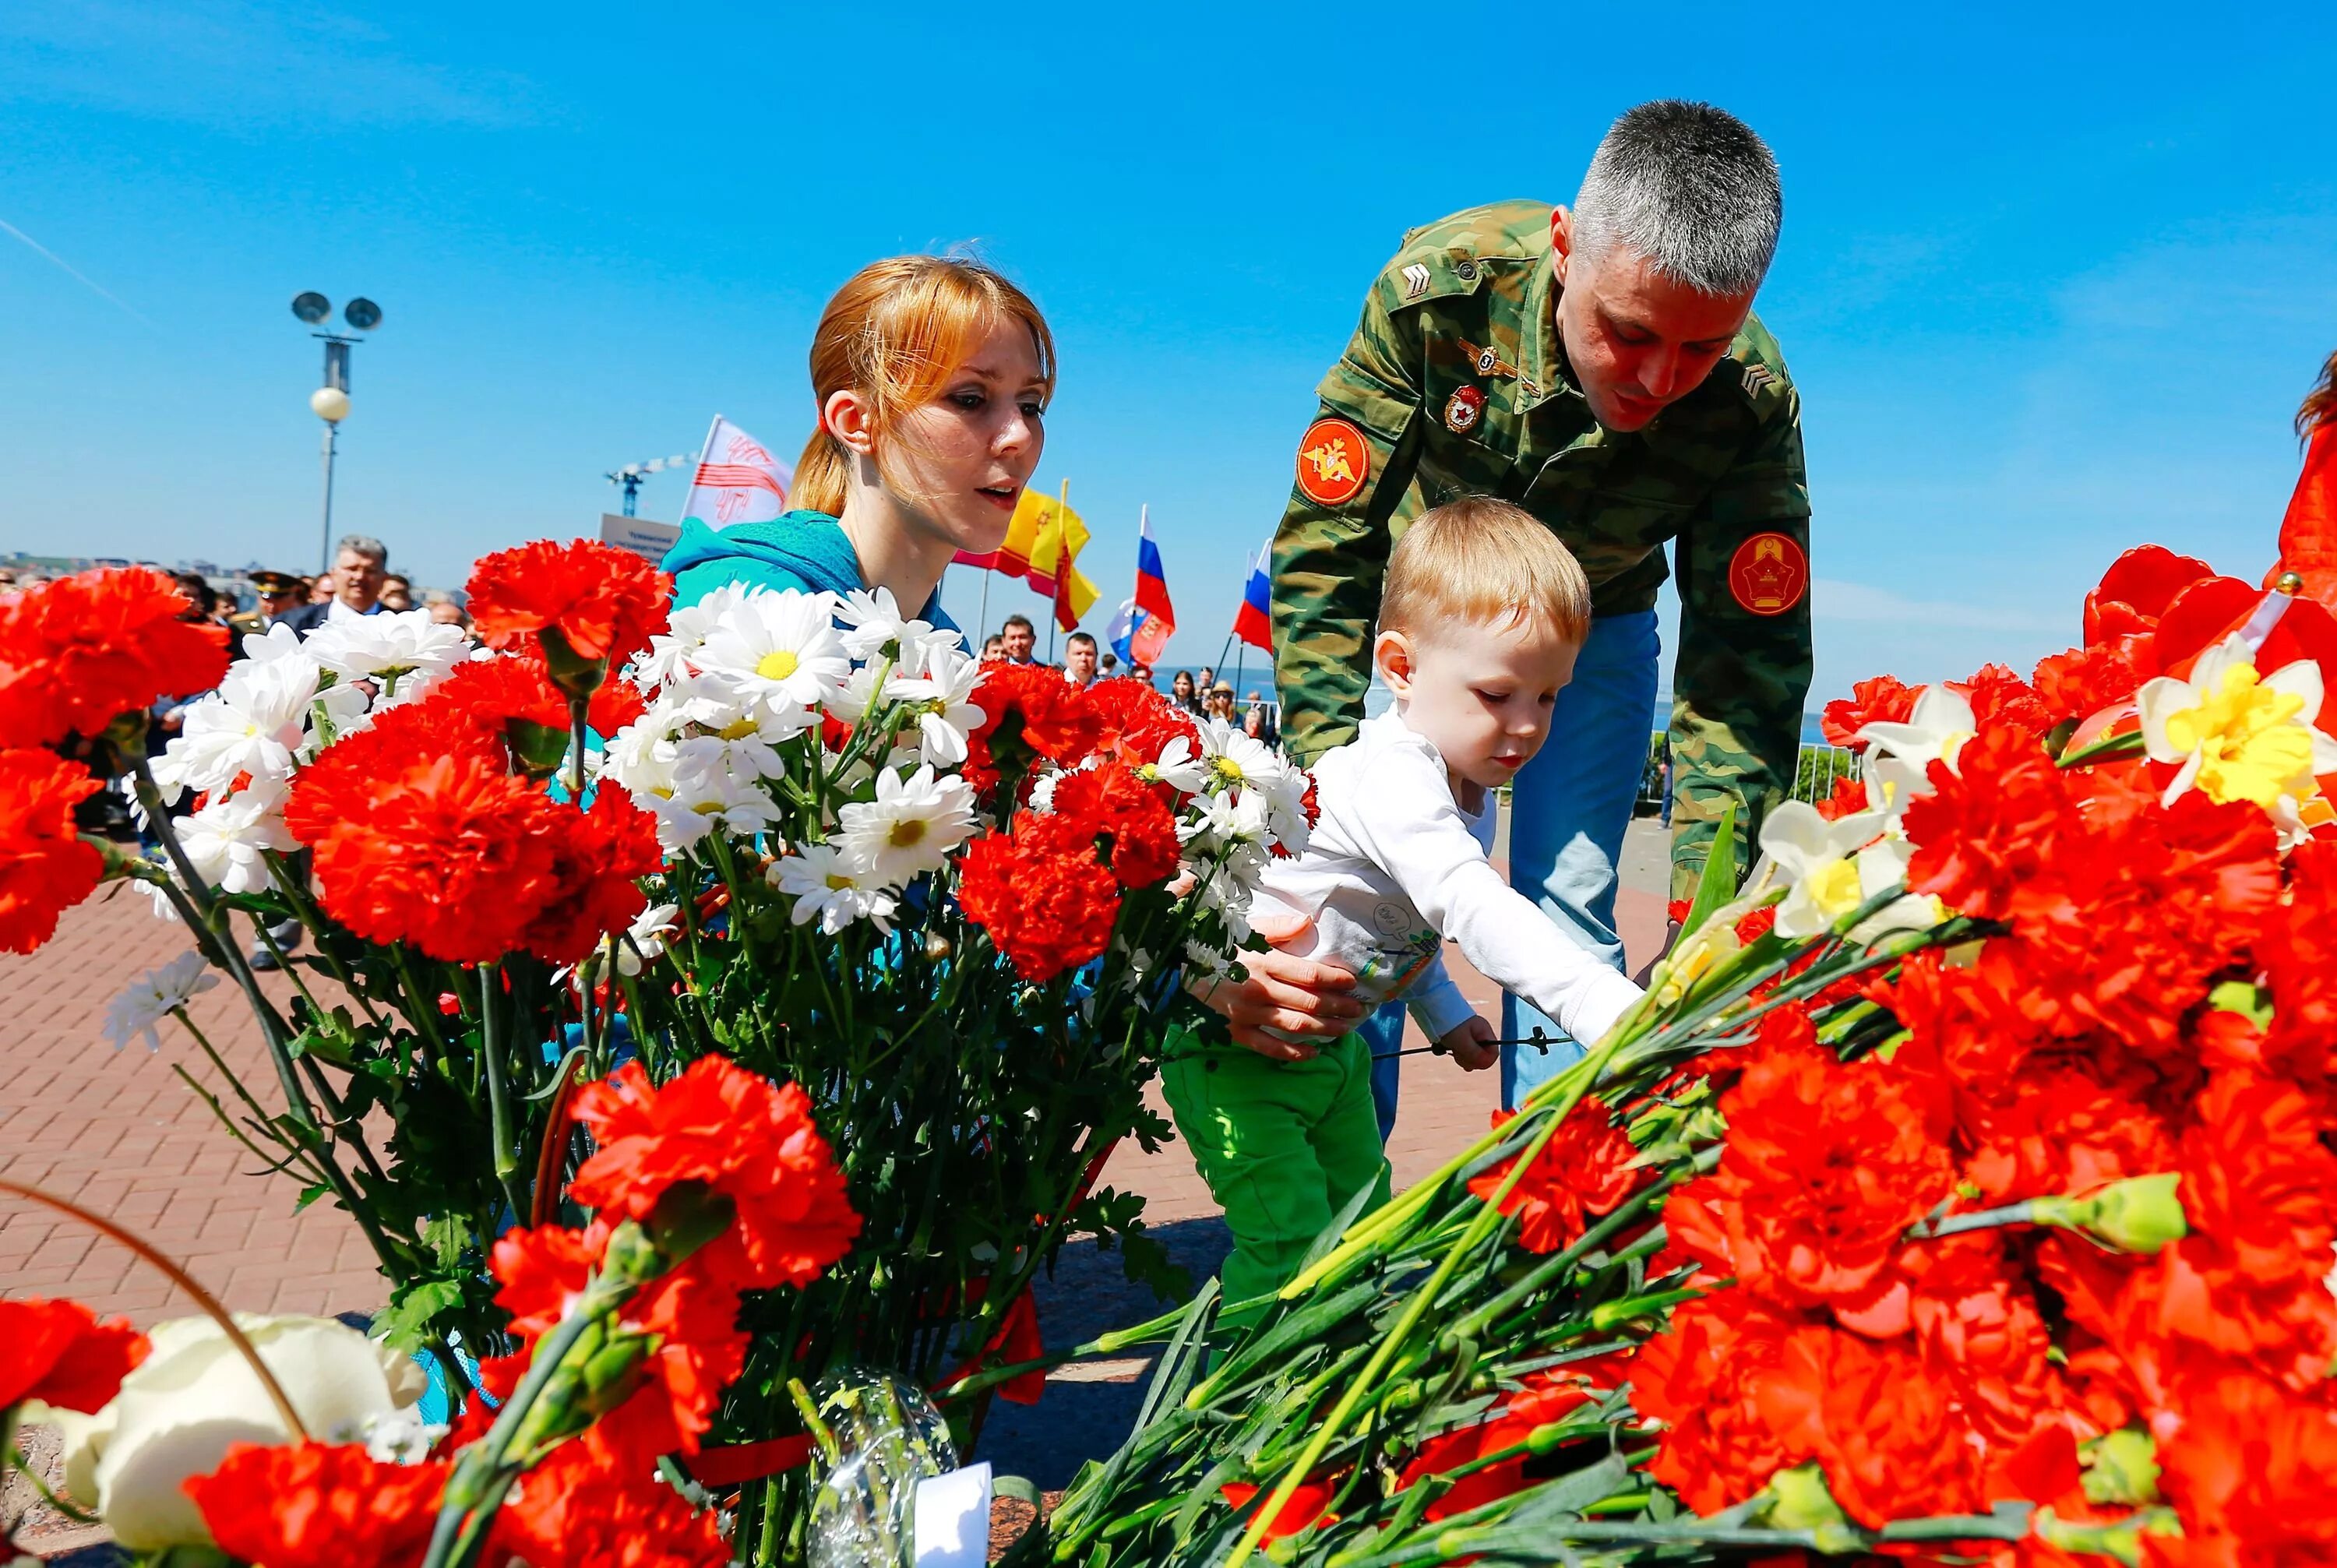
951 902
1963 1188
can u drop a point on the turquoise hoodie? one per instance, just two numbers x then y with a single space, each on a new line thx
805 550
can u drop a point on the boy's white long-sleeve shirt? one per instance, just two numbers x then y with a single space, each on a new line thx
1395 865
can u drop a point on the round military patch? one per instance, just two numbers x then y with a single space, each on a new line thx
1461 410
1769 574
1333 461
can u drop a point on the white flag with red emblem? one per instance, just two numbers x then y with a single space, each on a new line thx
737 480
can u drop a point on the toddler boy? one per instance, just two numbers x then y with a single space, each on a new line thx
1481 618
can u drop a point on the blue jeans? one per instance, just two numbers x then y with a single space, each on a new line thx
1568 813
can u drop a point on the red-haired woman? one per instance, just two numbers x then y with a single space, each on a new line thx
2308 534
932 376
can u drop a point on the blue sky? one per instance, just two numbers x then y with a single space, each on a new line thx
2052 279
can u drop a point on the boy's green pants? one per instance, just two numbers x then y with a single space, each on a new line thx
1283 1145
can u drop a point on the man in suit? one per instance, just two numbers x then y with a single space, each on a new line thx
360 567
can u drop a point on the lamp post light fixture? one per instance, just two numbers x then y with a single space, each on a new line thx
330 402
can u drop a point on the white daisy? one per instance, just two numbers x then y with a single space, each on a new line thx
652 931
828 885
255 723
1180 767
781 648
910 828
940 702
1231 759
153 996
672 651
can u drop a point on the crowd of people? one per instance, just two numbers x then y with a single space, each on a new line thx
1199 692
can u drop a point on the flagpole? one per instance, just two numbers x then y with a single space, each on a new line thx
981 621
703 448
1062 539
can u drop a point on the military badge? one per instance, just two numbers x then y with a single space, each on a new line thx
1333 461
1755 377
1415 281
1486 361
1461 410
1769 574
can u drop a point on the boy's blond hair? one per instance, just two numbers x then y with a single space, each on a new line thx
1484 562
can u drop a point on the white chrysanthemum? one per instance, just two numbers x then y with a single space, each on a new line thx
404 648
829 885
641 944
225 841
910 828
140 1008
279 641
672 651
940 702
255 723
781 648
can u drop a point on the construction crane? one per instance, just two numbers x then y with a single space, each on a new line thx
632 475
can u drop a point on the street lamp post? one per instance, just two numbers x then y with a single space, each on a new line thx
330 402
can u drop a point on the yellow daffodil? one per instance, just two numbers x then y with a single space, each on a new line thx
2235 734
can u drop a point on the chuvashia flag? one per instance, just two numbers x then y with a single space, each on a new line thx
1054 555
736 479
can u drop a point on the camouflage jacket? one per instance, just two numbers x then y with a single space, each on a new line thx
1455 384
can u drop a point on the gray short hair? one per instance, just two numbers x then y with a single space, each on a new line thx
363 545
1689 189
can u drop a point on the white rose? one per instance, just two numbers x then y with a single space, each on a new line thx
194 1395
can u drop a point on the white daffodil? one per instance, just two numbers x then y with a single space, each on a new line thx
941 705
779 649
674 650
153 996
831 887
406 651
256 723
910 828
1937 729
1816 859
1882 865
226 842
2237 735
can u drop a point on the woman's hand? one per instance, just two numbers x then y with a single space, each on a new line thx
1295 995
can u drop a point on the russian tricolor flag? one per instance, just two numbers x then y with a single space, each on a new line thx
1255 624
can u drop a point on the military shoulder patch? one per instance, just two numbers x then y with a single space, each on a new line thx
1757 375
1333 461
1769 574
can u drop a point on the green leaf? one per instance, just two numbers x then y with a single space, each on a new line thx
406 1321
1718 886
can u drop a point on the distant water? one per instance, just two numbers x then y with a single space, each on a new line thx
1376 701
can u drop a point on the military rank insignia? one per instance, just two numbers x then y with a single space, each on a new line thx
1461 410
1486 361
1333 461
1769 574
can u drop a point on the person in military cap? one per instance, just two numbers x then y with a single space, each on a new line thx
1601 367
278 592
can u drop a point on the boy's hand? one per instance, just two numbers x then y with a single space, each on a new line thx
1471 1044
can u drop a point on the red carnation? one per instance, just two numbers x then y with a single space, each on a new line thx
576 1510
1585 1168
1111 803
422 836
1029 711
2083 681
1047 909
600 601
1877 1422
2252 1470
513 698
1825 1167
686 1322
320 1505
1697 1380
78 651
599 856
1884 699
2000 699
1549 1395
1136 723
45 866
60 1354
738 1134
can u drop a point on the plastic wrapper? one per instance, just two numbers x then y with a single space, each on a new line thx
878 1437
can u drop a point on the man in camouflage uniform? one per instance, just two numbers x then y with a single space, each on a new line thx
1603 370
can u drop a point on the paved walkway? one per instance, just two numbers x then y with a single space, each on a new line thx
120 1133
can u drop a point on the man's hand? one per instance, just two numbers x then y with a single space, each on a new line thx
1295 995
1471 1044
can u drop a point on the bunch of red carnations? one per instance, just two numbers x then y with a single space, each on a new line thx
1963 1188
715 1184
